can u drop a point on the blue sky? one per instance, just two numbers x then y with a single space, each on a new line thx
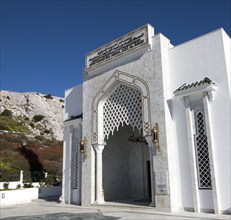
44 42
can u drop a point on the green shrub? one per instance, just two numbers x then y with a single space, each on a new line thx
37 176
27 185
38 118
51 180
6 185
48 96
47 131
3 127
18 186
26 118
27 182
6 113
10 124
27 175
8 173
42 184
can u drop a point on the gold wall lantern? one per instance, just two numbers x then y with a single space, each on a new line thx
155 134
83 147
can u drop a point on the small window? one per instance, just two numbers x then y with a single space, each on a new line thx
202 153
75 160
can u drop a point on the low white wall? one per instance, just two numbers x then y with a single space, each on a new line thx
12 185
12 197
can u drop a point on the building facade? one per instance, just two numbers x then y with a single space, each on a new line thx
151 122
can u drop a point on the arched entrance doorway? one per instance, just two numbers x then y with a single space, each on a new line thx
126 168
123 102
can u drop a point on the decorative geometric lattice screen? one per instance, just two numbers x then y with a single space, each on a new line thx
75 161
204 174
123 106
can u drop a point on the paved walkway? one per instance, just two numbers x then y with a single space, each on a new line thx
43 210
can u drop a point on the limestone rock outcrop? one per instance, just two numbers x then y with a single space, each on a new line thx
44 113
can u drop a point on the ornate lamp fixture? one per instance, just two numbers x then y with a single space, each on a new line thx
83 147
155 134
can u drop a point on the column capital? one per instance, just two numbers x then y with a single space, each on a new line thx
99 147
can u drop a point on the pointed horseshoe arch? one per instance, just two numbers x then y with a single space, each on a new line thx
106 90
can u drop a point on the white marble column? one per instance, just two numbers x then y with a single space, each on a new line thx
99 174
152 153
70 163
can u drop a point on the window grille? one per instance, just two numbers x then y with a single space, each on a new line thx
202 153
75 160
123 106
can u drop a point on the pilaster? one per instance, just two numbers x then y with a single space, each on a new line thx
215 187
196 200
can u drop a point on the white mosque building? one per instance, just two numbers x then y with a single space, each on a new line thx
150 124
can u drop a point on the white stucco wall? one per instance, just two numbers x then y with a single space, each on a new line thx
12 197
73 101
205 56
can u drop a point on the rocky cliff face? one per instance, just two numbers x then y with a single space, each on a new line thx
40 114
